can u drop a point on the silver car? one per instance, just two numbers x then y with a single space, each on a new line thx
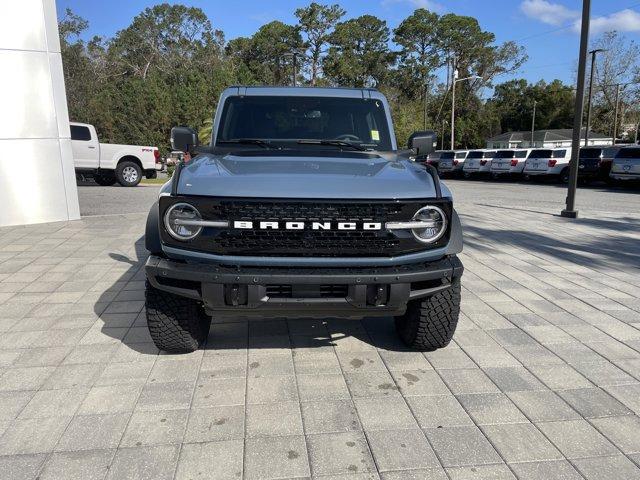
452 161
626 164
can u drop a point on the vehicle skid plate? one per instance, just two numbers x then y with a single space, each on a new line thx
289 291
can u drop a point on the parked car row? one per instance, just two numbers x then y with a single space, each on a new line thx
595 163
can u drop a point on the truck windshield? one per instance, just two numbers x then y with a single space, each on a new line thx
289 119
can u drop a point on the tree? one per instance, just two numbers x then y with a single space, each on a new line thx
473 50
316 21
169 38
265 54
418 56
359 55
513 103
616 64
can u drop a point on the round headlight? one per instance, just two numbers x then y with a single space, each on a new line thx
182 221
435 221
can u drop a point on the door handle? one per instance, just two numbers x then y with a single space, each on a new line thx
92 147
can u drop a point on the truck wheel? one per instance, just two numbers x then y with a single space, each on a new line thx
429 323
564 175
176 324
128 173
105 180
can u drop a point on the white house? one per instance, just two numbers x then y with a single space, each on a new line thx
37 177
560 137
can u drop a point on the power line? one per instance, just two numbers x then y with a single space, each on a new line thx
570 25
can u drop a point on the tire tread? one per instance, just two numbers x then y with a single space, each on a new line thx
430 323
176 324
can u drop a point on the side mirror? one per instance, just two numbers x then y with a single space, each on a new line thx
423 143
183 139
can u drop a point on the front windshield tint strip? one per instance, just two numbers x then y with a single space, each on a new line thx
285 119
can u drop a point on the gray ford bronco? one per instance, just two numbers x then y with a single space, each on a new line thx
302 206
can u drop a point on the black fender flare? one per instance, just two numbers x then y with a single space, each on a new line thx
152 240
455 237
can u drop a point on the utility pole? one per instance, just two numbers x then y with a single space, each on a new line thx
444 122
593 68
295 69
425 106
455 80
454 76
569 210
615 114
533 121
294 57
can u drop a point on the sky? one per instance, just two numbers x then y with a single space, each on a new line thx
548 29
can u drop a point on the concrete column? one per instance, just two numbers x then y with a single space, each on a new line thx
37 178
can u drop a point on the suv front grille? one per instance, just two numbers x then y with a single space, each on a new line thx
305 243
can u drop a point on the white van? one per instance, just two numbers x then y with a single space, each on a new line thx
549 162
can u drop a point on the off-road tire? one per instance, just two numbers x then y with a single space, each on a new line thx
125 173
430 323
176 324
105 180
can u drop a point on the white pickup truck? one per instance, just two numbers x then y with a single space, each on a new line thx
110 163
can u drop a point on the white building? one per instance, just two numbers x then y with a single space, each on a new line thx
560 137
37 178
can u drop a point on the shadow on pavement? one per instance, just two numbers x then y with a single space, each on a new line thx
613 245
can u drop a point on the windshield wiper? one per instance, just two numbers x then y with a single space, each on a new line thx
248 141
337 143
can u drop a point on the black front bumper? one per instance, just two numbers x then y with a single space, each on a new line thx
309 292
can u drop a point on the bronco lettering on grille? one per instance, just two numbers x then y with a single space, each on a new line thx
296 225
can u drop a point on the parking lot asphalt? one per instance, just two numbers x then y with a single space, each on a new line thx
548 197
542 380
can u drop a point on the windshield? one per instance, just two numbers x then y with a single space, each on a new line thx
286 118
590 152
628 153
540 154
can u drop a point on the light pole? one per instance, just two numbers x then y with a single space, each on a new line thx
615 114
593 68
453 102
569 210
533 121
294 55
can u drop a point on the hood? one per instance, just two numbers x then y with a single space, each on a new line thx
295 174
